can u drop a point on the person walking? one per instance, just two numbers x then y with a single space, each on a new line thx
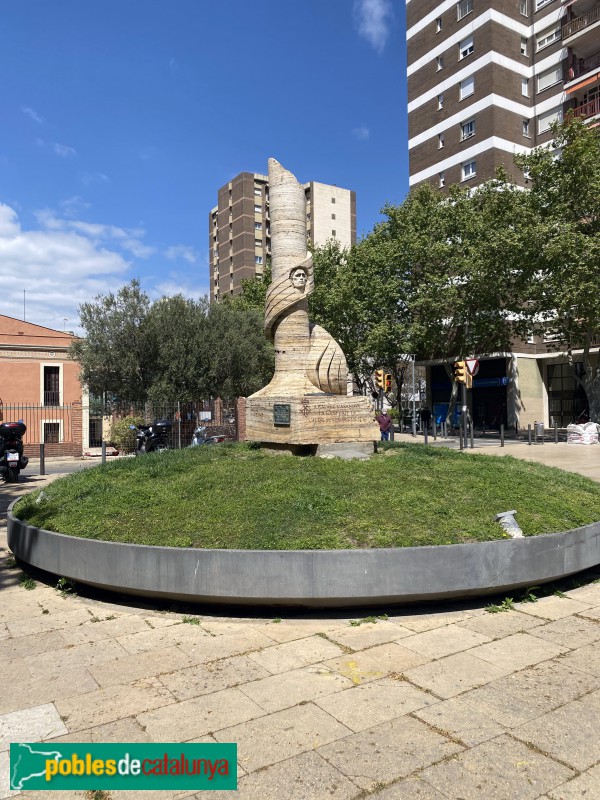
385 425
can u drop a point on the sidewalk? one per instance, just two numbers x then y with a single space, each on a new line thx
433 703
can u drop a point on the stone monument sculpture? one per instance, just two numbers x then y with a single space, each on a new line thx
306 402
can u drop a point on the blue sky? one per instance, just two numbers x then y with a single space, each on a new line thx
122 118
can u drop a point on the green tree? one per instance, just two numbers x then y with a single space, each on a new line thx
240 359
565 246
179 329
117 357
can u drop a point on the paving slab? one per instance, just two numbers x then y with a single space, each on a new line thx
502 769
368 634
454 674
207 678
459 719
30 725
552 607
300 652
188 719
376 662
282 735
388 751
305 777
569 734
26 691
290 688
505 623
583 787
131 667
586 659
409 789
444 641
572 632
518 651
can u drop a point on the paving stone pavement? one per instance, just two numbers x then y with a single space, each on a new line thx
445 702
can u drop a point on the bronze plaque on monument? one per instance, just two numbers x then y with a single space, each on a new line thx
281 414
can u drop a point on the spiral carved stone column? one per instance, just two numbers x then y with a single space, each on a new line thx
306 402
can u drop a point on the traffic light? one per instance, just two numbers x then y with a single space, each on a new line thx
387 382
462 374
379 378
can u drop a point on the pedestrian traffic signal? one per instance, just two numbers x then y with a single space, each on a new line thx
462 374
379 378
387 382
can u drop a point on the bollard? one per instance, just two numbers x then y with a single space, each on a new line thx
529 433
555 433
392 433
434 431
42 459
502 435
103 451
471 432
425 434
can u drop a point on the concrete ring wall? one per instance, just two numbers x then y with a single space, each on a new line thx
308 578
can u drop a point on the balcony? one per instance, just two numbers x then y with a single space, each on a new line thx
591 109
51 398
581 66
581 23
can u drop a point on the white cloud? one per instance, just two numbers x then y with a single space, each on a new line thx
58 268
177 251
361 133
128 239
88 178
63 150
373 19
73 206
32 114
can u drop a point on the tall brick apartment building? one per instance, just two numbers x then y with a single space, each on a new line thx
486 79
239 229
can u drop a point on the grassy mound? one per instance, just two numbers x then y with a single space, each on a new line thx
236 497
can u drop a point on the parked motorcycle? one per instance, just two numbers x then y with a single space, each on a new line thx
12 460
152 438
200 437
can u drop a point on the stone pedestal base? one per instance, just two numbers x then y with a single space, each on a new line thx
311 419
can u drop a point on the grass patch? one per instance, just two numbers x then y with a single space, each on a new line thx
237 497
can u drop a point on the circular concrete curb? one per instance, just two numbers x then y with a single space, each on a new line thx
308 578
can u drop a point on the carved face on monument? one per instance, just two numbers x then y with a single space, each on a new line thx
299 278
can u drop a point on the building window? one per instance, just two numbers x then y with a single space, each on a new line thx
442 179
440 140
333 216
547 37
333 199
548 118
525 127
257 192
258 226
440 101
549 77
257 209
467 129
468 170
51 386
466 47
463 8
438 25
523 7
51 432
525 87
334 233
440 62
258 242
524 41
466 87
541 3
258 259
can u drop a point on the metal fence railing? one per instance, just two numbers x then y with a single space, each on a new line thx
45 424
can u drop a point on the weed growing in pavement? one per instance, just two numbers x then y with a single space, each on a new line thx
191 620
507 604
529 596
96 794
558 593
275 620
9 563
356 622
27 583
66 587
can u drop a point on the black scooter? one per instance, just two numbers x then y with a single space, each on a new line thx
12 460
152 438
